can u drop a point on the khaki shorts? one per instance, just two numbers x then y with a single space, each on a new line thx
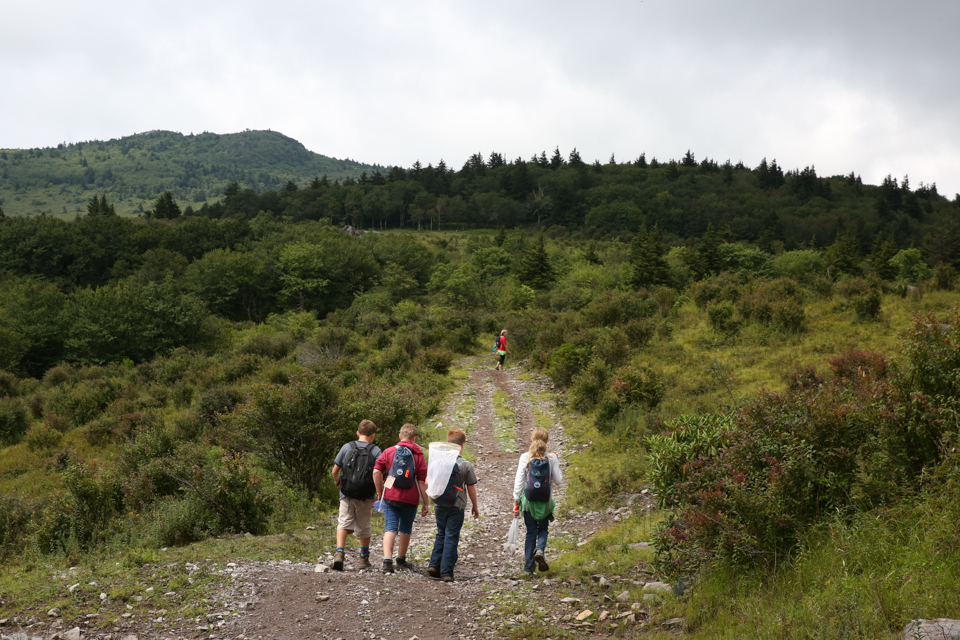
355 516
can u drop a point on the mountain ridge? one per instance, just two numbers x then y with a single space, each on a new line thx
134 170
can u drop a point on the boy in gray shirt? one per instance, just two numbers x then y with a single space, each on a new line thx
449 510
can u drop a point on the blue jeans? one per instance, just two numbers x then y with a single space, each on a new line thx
449 523
536 537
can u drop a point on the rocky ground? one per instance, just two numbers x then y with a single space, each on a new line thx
274 600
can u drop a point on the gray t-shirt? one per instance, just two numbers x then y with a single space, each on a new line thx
342 455
469 477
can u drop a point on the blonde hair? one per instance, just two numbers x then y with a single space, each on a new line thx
504 332
538 443
408 432
367 428
456 436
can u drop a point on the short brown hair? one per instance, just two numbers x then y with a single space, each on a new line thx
367 428
408 432
456 436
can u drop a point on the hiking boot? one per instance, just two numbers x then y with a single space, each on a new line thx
433 572
338 561
447 578
365 562
387 565
540 560
403 564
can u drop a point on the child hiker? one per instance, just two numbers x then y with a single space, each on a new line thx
448 507
502 349
536 473
400 476
353 473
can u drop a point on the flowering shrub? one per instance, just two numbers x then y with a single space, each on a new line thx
747 490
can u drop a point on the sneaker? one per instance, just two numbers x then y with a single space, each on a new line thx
387 565
447 578
403 564
540 560
433 572
338 561
365 562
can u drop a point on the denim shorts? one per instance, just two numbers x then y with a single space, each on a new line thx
398 516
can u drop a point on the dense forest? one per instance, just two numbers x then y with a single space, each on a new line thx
192 370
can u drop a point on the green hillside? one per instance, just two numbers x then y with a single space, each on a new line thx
135 170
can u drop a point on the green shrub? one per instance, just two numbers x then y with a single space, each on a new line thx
640 331
945 276
931 363
298 427
589 385
8 385
725 287
266 344
83 515
437 359
566 362
40 438
17 517
635 385
720 315
867 305
791 460
83 402
803 265
778 303
13 420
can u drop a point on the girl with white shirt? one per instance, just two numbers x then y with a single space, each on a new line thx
537 514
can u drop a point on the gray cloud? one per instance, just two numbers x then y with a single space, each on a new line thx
849 86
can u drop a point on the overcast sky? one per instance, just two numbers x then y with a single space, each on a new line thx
870 87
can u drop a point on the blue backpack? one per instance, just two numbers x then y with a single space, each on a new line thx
454 487
403 468
538 480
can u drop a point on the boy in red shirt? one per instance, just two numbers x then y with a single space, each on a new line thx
400 476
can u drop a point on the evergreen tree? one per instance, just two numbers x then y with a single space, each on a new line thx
556 160
642 161
501 237
535 269
99 207
650 268
688 159
883 250
727 173
575 159
673 173
843 255
165 208
316 183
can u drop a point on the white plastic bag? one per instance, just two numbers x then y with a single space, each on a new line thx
511 545
443 455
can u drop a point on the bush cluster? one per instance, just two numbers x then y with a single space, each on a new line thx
745 489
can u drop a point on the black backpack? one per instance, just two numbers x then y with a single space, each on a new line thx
356 481
454 487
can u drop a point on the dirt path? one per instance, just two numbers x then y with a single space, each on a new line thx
497 410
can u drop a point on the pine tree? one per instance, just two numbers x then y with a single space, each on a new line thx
883 250
99 207
646 257
556 160
535 269
165 208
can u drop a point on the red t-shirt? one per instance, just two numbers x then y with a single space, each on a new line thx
502 344
410 495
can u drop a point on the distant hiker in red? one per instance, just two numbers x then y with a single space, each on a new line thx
502 349
400 476
537 472
353 473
